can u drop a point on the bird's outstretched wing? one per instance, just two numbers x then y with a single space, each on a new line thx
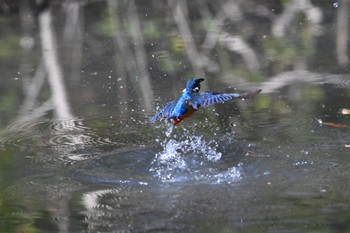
208 98
165 112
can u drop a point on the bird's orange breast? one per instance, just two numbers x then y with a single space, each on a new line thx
187 114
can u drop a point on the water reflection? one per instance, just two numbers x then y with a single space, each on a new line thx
81 78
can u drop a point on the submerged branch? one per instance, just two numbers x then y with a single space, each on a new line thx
186 34
35 113
231 11
286 78
313 14
143 82
32 90
342 34
123 68
53 69
73 36
238 45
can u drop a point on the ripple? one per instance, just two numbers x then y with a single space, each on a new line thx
86 139
68 139
25 125
281 123
18 140
128 209
46 133
74 133
59 219
339 82
117 167
67 125
26 134
91 200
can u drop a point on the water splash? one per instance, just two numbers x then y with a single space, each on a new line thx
233 174
169 130
183 157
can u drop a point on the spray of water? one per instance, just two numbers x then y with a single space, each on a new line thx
185 156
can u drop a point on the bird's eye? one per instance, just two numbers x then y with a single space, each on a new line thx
196 89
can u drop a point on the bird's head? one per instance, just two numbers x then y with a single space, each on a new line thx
193 85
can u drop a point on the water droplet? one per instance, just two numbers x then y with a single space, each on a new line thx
306 152
335 4
266 173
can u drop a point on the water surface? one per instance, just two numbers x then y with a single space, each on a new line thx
79 155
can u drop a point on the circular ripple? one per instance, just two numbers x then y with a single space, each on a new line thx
19 140
67 125
340 82
279 123
130 167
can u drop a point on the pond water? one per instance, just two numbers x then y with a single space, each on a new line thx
80 80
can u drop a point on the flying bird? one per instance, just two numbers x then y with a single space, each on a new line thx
191 100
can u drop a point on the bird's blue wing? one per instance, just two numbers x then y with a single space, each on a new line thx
165 112
208 98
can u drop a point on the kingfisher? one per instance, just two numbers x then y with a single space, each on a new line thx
191 100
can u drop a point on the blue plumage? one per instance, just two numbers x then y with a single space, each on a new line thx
191 100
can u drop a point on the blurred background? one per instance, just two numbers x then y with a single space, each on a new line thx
80 78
